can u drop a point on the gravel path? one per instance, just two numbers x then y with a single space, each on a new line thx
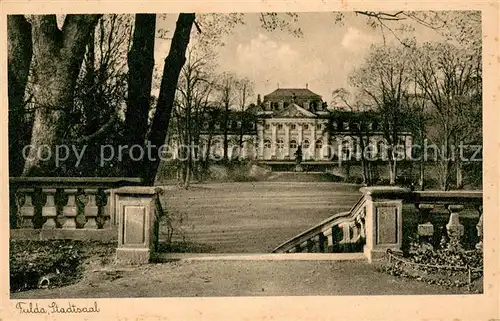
238 278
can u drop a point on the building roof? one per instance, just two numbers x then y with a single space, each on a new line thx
289 92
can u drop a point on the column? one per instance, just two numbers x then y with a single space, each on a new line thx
299 130
260 152
287 140
312 147
273 140
326 144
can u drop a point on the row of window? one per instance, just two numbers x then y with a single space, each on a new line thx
294 126
293 144
305 144
319 144
335 125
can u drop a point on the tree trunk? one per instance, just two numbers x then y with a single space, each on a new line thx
226 131
173 66
59 55
140 76
460 183
422 173
20 50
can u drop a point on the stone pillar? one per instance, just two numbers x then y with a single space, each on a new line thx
299 130
25 208
479 228
136 211
69 209
383 221
454 228
260 153
273 140
312 147
91 209
287 140
326 144
425 229
409 144
49 209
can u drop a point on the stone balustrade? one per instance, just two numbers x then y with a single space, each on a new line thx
69 203
377 221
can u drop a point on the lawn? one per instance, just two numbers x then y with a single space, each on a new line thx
253 217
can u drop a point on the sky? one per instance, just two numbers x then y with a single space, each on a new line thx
322 58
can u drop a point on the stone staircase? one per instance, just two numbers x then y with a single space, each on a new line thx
345 231
303 177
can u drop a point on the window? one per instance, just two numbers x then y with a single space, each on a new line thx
319 144
293 126
267 143
381 148
285 104
313 105
319 126
370 126
346 125
335 125
267 126
280 144
306 127
293 144
346 150
280 126
306 144
275 105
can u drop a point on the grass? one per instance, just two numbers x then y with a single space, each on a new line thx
252 217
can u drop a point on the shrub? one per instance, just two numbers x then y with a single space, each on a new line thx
447 265
60 261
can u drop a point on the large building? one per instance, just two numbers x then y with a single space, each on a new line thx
287 118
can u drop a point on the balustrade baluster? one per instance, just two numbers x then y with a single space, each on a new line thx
104 218
425 229
454 228
49 210
91 210
346 232
355 232
310 246
321 241
69 209
479 228
25 208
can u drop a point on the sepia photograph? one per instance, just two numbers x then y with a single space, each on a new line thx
243 154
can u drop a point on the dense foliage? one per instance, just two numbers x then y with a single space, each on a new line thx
60 261
447 265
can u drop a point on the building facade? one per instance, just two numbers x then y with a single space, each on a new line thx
288 118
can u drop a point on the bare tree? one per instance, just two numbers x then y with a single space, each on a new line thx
384 79
452 81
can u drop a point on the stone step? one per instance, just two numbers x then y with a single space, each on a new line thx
262 257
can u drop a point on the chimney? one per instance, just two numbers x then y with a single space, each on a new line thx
259 102
306 85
